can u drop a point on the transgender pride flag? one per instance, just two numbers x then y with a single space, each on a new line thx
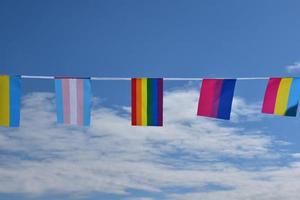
73 101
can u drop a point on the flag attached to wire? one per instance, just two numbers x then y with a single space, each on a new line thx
10 97
216 98
147 101
282 96
73 101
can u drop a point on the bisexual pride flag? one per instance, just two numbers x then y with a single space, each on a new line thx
10 97
147 101
282 96
216 98
73 101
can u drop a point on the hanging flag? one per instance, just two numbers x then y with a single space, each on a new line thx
216 98
282 96
73 101
147 101
10 95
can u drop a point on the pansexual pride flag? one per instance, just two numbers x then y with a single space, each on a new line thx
10 95
282 96
147 101
73 101
216 98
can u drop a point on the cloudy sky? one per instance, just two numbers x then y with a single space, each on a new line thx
251 157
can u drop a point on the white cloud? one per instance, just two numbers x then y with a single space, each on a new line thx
270 184
243 111
111 156
293 68
296 155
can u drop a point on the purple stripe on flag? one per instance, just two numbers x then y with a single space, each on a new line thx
160 102
225 99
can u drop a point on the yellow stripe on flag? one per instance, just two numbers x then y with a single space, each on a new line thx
4 101
283 96
144 101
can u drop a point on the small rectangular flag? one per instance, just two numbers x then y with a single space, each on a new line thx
73 101
147 101
10 97
282 96
216 98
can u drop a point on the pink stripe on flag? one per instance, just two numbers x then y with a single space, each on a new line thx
208 104
66 100
271 95
79 84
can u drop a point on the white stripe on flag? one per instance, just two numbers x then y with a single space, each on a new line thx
73 101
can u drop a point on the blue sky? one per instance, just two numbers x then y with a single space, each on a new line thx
253 156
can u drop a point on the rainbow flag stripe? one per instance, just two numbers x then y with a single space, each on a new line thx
73 101
216 98
282 96
10 97
147 101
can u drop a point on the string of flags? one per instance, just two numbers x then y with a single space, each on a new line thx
73 98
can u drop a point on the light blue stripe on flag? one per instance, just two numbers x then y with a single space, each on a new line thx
59 101
15 98
293 98
86 102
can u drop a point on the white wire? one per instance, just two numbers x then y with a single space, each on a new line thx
128 79
37 77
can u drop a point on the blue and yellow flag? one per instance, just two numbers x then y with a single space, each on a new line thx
10 94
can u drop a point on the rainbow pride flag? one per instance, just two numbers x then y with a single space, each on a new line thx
282 96
73 101
147 101
216 98
10 97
